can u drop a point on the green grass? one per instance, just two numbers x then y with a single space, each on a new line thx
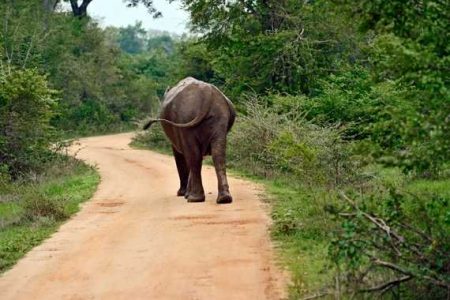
21 228
440 187
17 240
299 227
9 210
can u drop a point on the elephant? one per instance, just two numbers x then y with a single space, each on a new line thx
196 117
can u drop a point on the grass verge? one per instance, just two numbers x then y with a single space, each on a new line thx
30 212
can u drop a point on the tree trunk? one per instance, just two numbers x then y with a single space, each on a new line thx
80 11
50 5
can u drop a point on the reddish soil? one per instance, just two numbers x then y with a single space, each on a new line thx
136 240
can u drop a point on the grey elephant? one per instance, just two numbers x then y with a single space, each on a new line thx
196 117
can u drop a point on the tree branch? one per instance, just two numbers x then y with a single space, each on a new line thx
85 4
397 268
30 47
387 285
377 221
79 10
74 5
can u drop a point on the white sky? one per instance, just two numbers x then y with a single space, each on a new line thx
115 13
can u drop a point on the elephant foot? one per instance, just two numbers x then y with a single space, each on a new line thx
224 198
193 198
181 192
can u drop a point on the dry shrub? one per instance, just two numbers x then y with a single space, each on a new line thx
269 144
37 205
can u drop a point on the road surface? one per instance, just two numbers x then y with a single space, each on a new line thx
135 240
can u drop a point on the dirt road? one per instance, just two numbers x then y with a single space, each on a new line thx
136 240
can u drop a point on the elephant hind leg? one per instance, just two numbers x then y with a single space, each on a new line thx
195 192
183 172
218 152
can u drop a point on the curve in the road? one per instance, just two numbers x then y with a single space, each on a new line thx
136 240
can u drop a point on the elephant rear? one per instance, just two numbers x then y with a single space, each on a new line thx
196 117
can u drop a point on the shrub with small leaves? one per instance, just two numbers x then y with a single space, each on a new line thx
26 106
288 144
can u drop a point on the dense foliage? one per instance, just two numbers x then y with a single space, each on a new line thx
331 90
398 236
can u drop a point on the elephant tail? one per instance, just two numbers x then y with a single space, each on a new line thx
197 120
232 114
149 123
206 105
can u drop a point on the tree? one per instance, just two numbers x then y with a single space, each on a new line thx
409 57
131 39
80 9
279 46
49 5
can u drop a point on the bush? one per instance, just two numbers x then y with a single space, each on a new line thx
37 205
394 241
287 144
26 106
391 117
4 174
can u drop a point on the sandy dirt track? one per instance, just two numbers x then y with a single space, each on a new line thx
136 240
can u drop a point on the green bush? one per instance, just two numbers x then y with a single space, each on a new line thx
26 106
284 144
392 119
344 98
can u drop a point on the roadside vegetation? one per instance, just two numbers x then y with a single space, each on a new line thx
346 106
344 117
